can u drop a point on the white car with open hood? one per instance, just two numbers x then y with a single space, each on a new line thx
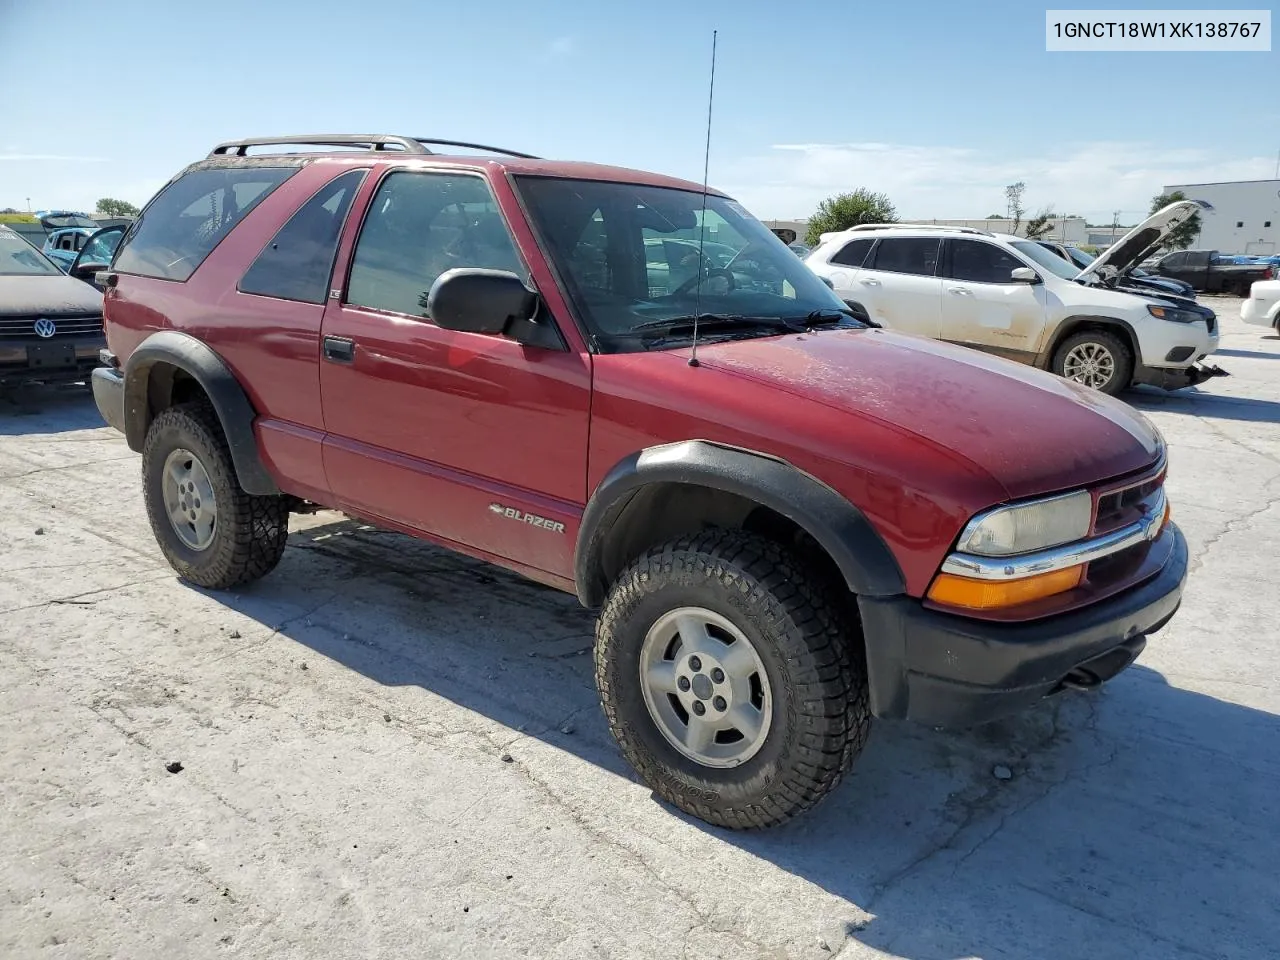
1010 296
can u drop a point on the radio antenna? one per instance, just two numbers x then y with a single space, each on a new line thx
702 224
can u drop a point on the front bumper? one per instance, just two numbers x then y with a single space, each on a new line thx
953 671
108 394
1257 312
49 360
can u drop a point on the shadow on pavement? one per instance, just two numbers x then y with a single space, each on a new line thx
1137 822
47 408
1193 402
1260 354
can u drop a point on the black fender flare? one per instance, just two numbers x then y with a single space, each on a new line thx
1069 326
199 361
868 566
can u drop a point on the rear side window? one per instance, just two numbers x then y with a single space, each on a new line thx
854 252
297 262
917 255
190 217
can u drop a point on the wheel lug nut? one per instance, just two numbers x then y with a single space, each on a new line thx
695 663
699 708
719 703
683 683
717 675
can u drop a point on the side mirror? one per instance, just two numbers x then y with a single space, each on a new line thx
1024 275
479 301
86 270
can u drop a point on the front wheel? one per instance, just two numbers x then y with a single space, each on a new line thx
1097 359
212 533
731 683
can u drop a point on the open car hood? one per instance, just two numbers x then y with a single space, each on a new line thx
1136 245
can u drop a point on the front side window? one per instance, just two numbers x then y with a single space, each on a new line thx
20 259
854 252
1044 258
918 255
418 226
639 261
980 262
183 224
103 245
296 264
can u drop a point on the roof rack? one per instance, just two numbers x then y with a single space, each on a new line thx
476 146
377 143
918 226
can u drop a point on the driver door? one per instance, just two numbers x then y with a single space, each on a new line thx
96 255
471 439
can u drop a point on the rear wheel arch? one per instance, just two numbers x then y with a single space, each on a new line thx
682 488
170 368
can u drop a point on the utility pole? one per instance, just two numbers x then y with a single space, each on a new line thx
1115 222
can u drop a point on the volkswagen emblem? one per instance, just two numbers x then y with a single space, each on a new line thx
46 328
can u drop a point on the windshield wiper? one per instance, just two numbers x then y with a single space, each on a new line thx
718 321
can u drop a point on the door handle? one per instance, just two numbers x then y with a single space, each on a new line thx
961 292
339 350
870 283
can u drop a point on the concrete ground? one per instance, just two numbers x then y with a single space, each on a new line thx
390 751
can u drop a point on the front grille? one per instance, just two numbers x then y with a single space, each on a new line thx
1118 508
24 328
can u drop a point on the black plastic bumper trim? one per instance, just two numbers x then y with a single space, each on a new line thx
953 671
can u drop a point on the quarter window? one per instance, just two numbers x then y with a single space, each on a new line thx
297 262
918 255
980 262
190 216
418 226
853 253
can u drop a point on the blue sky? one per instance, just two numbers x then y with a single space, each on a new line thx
938 104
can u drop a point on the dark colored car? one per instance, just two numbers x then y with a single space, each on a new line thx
789 522
1207 270
1135 279
50 324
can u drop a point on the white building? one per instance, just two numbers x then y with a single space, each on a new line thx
1245 217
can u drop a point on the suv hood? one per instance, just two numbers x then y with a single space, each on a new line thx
1136 245
1032 432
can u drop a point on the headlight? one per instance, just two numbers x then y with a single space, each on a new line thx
1173 314
1028 527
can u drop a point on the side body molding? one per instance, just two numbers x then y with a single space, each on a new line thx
149 371
868 566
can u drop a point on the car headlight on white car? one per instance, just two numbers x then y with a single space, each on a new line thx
1028 527
1173 314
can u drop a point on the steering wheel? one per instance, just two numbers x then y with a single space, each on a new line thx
702 275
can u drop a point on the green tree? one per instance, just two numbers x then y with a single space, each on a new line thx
117 208
847 210
1040 224
1013 199
995 216
1185 233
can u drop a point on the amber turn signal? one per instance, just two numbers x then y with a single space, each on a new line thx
971 594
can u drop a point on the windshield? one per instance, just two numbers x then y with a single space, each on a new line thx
1079 257
629 256
19 259
1046 258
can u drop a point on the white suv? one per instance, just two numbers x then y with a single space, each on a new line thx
1010 296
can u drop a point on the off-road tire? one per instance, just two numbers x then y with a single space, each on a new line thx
1121 378
811 648
251 531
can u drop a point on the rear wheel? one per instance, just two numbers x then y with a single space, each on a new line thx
732 684
212 533
1097 359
